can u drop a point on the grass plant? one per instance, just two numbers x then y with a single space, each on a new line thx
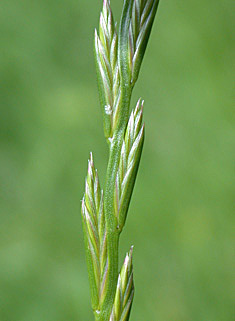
118 55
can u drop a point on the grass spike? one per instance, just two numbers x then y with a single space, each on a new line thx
118 56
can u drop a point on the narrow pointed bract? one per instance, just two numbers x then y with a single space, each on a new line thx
123 49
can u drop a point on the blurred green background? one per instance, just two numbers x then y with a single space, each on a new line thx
180 219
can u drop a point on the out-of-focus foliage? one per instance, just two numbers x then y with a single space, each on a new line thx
180 218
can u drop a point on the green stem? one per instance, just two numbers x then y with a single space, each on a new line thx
110 218
111 224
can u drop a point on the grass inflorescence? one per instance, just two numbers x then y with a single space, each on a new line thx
119 54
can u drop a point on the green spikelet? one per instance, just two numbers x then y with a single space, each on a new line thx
95 235
125 291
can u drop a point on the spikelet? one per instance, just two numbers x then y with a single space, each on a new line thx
128 165
143 14
95 235
125 291
136 24
106 45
